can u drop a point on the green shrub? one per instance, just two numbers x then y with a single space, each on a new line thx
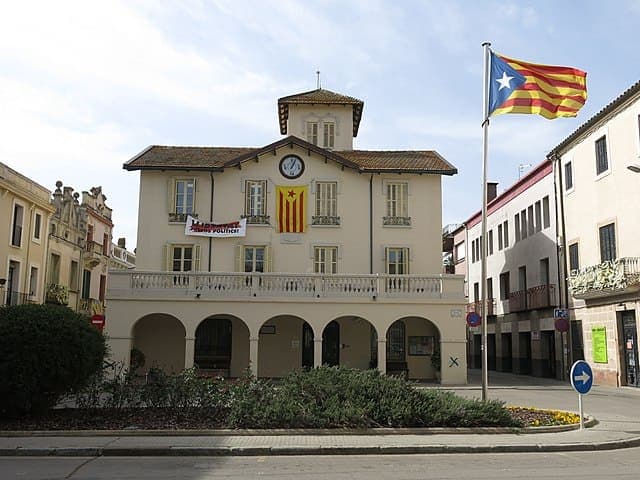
45 352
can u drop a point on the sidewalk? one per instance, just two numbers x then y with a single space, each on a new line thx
615 409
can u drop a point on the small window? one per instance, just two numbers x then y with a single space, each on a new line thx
602 162
73 276
312 132
255 206
254 259
397 204
460 252
523 224
473 251
182 258
516 222
329 133
397 261
325 260
522 277
86 284
607 243
16 228
574 260
326 207
490 241
103 288
105 244
506 233
568 176
531 229
545 212
505 287
476 292
544 271
500 244
184 196
538 208
33 282
37 226
489 288
54 269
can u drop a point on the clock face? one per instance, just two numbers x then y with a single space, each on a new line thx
291 166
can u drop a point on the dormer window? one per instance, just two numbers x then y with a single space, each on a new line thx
312 132
329 133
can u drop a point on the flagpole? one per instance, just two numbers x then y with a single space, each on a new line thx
483 234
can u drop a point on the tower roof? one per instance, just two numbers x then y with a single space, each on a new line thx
322 97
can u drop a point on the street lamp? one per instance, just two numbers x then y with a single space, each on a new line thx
634 167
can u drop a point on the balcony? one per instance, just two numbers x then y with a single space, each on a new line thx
180 217
257 219
57 294
475 307
541 296
94 254
265 286
609 278
325 220
396 221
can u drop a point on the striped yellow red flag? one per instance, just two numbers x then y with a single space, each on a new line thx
291 208
523 87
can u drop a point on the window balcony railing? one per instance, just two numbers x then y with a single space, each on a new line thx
540 296
396 221
325 220
57 294
227 286
180 217
257 219
91 306
603 279
475 306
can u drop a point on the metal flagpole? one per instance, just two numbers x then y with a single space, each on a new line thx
483 234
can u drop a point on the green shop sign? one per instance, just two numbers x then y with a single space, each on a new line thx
599 339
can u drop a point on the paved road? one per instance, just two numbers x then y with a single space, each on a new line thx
618 464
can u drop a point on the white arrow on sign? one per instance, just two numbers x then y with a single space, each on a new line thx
583 377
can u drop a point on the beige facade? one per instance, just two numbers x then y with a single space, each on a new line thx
23 238
599 196
360 285
121 258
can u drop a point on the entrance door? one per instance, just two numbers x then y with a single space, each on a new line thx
307 345
213 346
331 344
630 347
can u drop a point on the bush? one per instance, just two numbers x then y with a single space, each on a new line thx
45 352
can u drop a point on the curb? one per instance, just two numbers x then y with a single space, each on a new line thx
312 450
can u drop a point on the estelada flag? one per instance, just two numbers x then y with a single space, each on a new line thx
521 87
291 208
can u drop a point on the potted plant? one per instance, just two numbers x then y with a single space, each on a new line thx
435 361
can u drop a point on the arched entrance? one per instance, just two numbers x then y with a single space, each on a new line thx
221 346
283 346
412 342
161 338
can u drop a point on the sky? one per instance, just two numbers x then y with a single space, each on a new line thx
86 85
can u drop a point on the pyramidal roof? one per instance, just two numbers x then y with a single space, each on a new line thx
322 97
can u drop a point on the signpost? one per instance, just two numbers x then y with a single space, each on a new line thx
581 380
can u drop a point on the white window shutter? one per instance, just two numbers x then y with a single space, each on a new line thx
171 195
196 258
195 209
167 258
238 258
268 259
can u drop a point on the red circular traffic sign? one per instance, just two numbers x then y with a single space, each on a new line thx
473 319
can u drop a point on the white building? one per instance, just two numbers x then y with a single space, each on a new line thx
340 262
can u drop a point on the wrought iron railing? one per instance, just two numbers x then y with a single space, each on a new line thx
180 217
397 221
325 220
540 296
257 219
475 306
57 294
604 278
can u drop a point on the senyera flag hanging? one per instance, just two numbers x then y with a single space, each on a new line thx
291 208
522 87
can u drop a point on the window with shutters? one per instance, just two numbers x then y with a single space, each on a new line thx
183 257
312 132
255 205
329 133
516 223
182 203
602 160
397 260
325 259
538 207
546 217
17 223
568 176
397 204
37 227
574 259
608 243
254 258
326 207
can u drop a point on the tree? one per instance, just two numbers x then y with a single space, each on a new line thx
46 351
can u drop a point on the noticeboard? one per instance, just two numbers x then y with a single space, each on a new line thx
599 343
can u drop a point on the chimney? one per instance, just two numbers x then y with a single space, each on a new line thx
492 191
121 243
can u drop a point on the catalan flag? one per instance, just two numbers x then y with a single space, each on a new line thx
522 87
290 209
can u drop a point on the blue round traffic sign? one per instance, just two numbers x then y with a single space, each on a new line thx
581 377
473 319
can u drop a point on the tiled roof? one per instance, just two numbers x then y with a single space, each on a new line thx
628 94
421 161
323 97
157 157
218 158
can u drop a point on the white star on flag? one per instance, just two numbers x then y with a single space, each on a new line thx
504 81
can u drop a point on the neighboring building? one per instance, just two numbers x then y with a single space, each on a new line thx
340 263
600 194
23 237
121 258
79 250
522 279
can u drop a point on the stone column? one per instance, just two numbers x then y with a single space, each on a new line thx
253 355
189 351
453 362
317 352
382 355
